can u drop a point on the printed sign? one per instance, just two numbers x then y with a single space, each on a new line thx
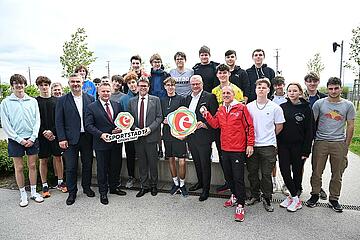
124 121
182 122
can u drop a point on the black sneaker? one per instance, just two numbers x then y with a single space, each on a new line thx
184 191
161 154
252 201
313 201
334 204
323 194
174 189
222 188
267 205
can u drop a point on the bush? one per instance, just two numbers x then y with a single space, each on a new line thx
6 163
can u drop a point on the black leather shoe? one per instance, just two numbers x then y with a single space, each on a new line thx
154 191
104 199
197 186
89 192
142 192
117 191
203 196
71 199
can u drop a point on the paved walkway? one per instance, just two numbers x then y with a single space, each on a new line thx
166 217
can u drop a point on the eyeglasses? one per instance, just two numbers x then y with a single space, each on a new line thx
143 86
258 55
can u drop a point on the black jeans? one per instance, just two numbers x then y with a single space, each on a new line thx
233 166
130 158
290 161
263 159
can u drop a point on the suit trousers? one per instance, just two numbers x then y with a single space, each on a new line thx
263 159
130 158
148 162
108 168
84 146
201 154
234 168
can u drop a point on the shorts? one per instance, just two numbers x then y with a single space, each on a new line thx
175 148
15 149
49 148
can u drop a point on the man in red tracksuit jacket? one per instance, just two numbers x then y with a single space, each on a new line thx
237 140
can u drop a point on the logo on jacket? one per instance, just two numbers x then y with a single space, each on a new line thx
124 120
334 114
182 122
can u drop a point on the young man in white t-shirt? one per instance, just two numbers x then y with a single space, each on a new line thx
268 119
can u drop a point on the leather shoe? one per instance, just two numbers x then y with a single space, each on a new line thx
197 186
203 196
89 192
117 191
154 191
142 192
104 199
71 199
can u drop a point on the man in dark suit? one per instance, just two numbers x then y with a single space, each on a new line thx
69 122
146 110
99 121
200 141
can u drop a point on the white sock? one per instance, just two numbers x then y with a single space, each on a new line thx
45 184
176 181
60 181
274 179
33 190
23 192
182 182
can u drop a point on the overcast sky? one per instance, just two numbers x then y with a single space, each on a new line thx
32 33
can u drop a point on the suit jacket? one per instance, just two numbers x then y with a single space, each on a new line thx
97 123
202 135
67 118
153 116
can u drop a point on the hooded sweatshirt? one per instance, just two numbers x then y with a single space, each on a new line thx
298 127
254 74
157 83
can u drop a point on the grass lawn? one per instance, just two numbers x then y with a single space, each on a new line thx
355 145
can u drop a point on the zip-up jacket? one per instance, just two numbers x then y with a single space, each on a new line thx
240 78
257 73
237 129
298 125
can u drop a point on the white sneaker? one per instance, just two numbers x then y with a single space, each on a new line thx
275 186
295 205
288 200
23 201
37 198
285 190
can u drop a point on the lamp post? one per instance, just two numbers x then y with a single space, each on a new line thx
335 46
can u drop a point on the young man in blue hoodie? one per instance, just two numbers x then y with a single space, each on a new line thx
20 118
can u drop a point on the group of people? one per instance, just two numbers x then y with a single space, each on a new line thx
248 114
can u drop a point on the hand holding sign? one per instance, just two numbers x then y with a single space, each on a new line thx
182 122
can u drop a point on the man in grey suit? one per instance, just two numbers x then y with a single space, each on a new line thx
146 110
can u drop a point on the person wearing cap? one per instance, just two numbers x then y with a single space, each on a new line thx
206 69
174 148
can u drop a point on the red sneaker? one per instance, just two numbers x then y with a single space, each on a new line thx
239 213
231 202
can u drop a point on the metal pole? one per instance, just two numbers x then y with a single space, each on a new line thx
29 75
341 60
108 68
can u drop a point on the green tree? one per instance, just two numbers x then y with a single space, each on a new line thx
315 65
354 54
76 53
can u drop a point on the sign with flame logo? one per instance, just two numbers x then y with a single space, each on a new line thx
182 122
124 120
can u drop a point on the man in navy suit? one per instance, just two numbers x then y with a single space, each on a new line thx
69 122
200 141
146 110
99 121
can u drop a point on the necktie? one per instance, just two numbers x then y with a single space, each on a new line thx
141 117
108 111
